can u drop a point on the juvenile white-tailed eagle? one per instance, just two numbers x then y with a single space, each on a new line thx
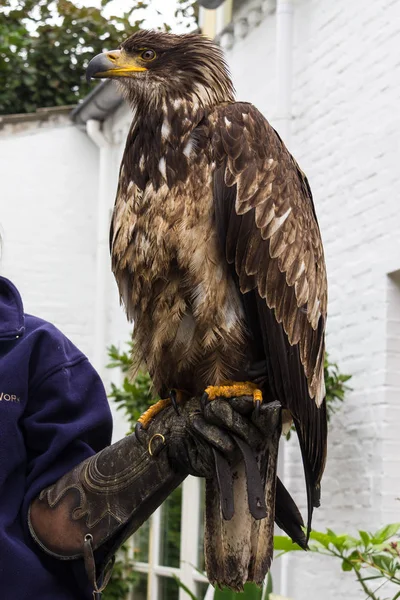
219 261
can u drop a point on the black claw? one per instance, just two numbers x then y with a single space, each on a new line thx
172 397
257 408
138 433
204 400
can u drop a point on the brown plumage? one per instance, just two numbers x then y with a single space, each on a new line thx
218 258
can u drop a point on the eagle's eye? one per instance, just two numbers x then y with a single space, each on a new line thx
148 55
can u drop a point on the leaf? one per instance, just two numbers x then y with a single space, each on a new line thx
322 538
184 588
346 566
365 538
383 562
371 577
269 587
339 541
351 542
357 560
385 533
283 544
335 384
251 592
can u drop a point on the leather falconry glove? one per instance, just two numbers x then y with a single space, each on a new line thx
257 459
94 508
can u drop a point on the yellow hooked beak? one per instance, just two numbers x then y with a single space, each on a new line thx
116 63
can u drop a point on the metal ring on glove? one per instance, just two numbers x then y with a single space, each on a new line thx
160 435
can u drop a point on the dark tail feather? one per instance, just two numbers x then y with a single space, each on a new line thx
288 517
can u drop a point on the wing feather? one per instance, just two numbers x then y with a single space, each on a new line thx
267 224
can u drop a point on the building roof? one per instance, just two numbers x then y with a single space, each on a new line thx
41 115
99 104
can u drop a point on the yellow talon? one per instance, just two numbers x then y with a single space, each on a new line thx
232 389
152 411
156 408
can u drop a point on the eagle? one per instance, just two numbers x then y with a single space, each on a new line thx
219 262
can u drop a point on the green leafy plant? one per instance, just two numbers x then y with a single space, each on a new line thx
133 397
335 384
123 576
45 46
336 388
374 558
171 529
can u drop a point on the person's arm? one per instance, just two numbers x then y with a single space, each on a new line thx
67 420
93 509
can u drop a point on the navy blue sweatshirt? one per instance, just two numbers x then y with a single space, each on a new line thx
54 413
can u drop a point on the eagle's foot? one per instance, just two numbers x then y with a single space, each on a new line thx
175 398
234 389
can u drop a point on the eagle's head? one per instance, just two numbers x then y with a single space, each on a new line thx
155 67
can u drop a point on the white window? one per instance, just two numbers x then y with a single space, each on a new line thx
389 418
170 544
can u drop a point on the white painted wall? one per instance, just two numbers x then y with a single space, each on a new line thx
48 219
49 189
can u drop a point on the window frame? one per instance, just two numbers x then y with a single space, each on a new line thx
187 572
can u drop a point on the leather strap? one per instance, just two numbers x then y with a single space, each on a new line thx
90 566
225 484
255 488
